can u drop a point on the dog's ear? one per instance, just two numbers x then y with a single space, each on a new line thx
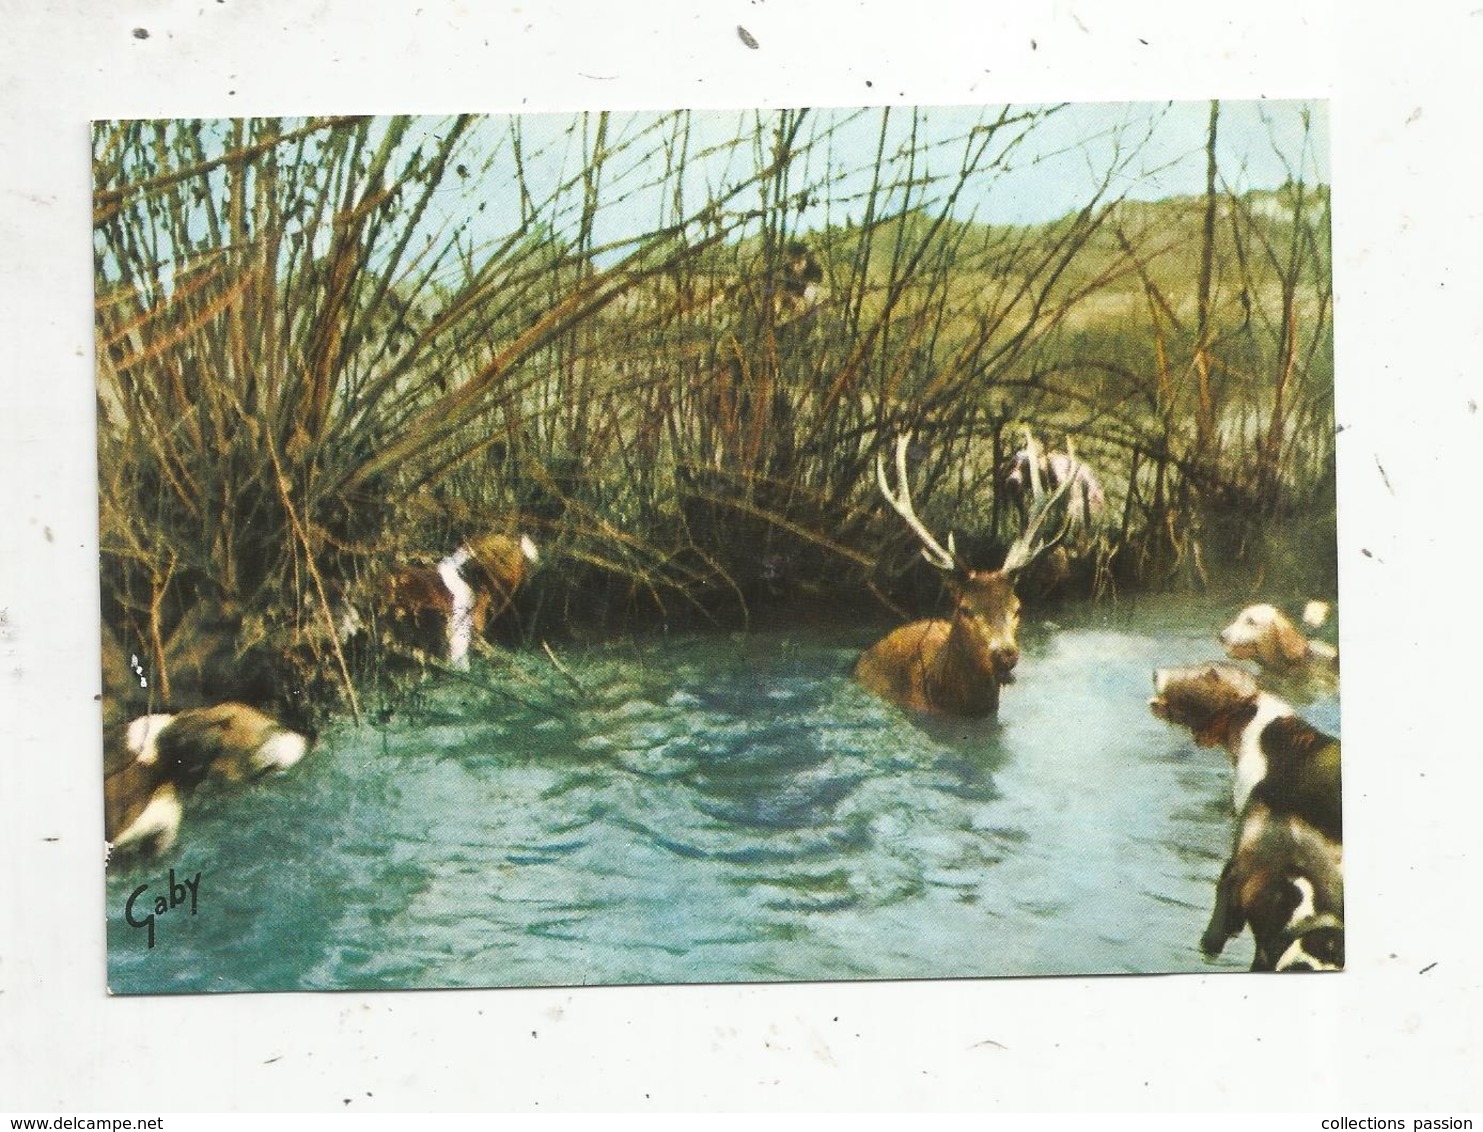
1292 646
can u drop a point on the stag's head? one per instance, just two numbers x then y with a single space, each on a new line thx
985 600
986 606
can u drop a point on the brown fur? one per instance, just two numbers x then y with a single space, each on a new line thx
127 789
1214 701
220 739
496 570
1263 634
130 784
227 740
951 666
418 605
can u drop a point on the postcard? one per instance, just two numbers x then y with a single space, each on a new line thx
709 547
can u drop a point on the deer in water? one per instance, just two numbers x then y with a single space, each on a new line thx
956 666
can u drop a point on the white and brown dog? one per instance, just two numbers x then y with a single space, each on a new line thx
1284 878
437 611
1279 759
1263 634
154 761
1032 470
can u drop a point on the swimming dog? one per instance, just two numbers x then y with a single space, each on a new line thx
1278 758
155 760
438 610
1263 634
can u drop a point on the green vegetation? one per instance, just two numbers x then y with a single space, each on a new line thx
328 346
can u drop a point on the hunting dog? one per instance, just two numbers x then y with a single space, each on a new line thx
1031 469
1285 880
438 610
154 761
1284 877
1263 634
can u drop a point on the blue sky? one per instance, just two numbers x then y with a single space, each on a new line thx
1045 165
1053 167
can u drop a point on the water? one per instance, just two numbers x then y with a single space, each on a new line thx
716 808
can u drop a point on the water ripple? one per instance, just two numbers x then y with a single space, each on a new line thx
718 808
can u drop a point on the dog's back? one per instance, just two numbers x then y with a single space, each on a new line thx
1285 881
1304 774
438 611
151 765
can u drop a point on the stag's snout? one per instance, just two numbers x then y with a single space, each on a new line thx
1004 657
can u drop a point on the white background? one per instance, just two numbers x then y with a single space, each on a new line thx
1398 1032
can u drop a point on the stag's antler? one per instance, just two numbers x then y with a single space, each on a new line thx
1033 452
900 502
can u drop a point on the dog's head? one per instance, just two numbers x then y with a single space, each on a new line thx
1261 633
1209 699
140 736
231 740
1318 947
498 563
1294 926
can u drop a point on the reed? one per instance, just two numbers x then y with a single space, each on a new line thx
329 345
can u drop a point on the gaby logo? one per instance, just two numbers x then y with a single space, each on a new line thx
141 912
